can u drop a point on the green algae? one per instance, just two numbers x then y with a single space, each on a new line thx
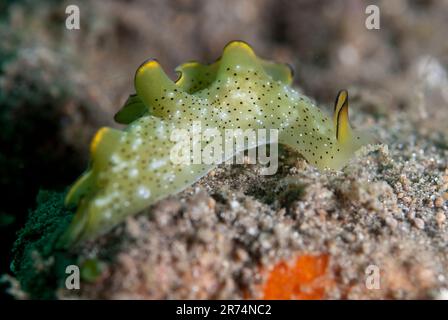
91 270
40 268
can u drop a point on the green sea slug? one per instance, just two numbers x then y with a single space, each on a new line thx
132 169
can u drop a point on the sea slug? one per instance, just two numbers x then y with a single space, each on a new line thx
131 169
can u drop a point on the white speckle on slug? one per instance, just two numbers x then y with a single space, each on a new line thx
133 173
156 163
143 192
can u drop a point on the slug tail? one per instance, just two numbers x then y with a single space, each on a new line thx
72 235
102 145
80 188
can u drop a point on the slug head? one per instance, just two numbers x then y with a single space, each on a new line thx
349 140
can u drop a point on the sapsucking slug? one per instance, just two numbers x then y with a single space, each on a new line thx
131 169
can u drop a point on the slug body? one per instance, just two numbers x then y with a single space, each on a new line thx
132 169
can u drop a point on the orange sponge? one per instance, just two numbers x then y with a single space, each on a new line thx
306 278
